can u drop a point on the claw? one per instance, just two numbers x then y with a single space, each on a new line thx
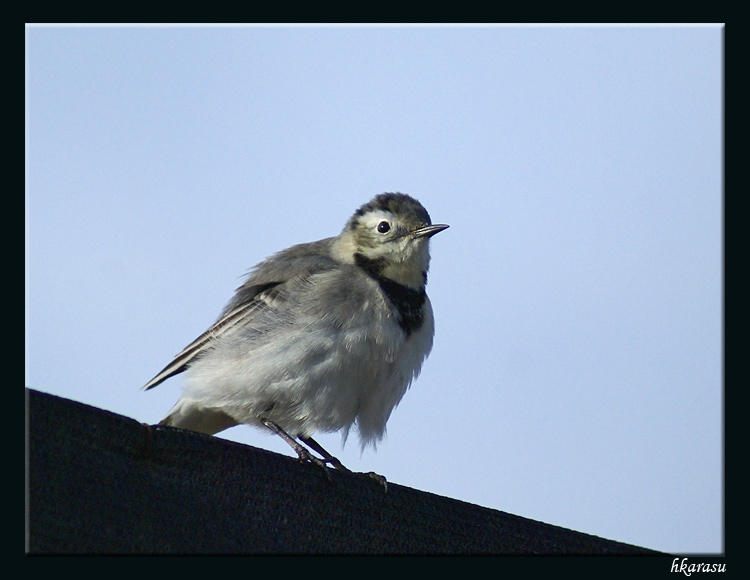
380 479
302 453
327 457
306 457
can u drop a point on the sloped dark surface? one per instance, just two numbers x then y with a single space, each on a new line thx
103 483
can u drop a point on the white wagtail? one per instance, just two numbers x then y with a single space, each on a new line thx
320 336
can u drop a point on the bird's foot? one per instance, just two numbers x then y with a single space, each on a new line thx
380 479
306 457
303 454
327 457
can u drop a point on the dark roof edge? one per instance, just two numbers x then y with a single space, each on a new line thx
99 482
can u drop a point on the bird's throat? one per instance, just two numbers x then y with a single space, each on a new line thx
407 301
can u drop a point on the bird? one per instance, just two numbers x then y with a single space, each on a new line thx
323 336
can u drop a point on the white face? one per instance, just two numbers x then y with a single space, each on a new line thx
382 235
382 225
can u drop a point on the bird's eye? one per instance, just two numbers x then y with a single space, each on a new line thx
384 227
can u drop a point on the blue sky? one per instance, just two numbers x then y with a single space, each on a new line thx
576 376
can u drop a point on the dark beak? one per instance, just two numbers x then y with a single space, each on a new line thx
429 231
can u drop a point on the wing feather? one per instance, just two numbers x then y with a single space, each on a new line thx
261 290
236 316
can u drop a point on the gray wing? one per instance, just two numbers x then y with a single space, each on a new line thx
253 300
261 289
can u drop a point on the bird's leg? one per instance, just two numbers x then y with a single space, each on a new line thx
328 458
302 453
310 442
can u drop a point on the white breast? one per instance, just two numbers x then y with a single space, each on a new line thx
316 378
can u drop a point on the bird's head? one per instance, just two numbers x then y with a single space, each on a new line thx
390 235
